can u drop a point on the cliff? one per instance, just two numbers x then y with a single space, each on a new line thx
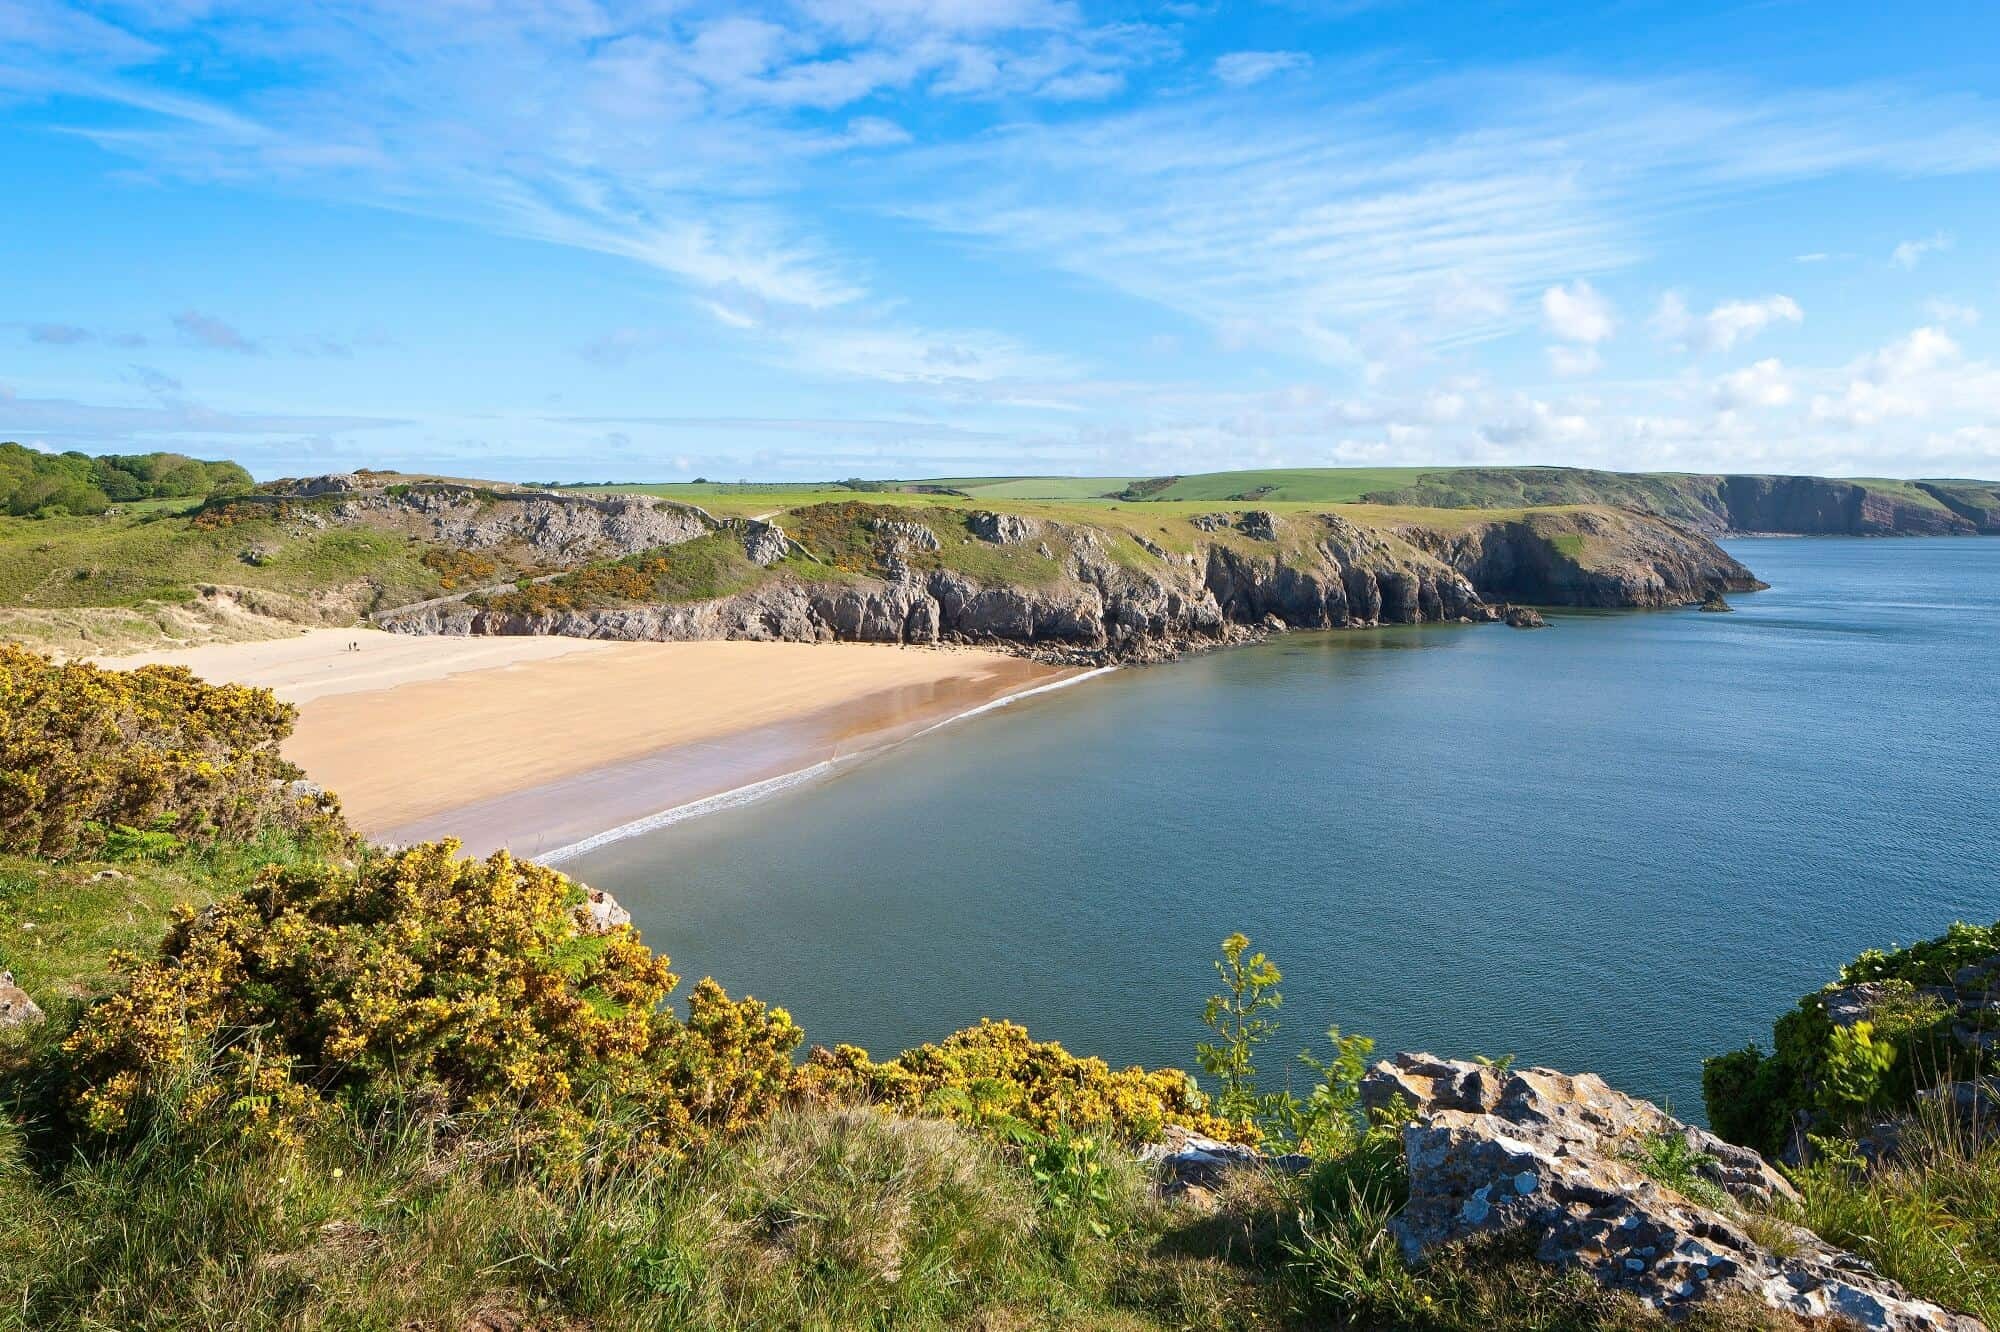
1718 504
1104 591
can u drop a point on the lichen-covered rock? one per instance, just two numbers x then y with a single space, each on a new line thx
1004 529
1188 1163
1558 1157
16 1008
1258 525
765 543
914 535
600 911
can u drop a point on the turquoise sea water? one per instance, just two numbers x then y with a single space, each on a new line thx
1619 844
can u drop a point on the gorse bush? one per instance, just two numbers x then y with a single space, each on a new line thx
474 985
995 1075
85 751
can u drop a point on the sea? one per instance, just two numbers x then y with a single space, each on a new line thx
1619 844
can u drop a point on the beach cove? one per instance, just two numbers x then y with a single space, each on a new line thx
541 744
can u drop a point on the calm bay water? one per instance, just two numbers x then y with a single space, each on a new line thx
1619 844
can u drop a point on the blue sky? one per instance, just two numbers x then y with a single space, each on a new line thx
817 238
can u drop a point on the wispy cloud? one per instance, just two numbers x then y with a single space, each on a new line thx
1910 253
206 330
1241 69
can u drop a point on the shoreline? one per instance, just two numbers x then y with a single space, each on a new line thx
549 747
754 791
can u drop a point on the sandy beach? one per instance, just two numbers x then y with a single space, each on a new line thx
538 743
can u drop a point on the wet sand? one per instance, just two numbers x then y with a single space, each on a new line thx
539 743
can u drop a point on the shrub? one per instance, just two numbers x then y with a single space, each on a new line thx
85 751
454 567
1816 1072
994 1074
470 984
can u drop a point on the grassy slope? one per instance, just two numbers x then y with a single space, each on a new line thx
822 1219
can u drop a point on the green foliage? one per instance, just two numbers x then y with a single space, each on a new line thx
1854 1071
470 983
1930 962
1929 1217
35 484
1666 1159
1815 1072
1240 1018
86 751
995 1076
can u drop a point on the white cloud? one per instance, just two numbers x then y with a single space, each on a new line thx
1574 360
1947 311
1760 384
1910 253
1907 379
1576 312
1723 326
1241 69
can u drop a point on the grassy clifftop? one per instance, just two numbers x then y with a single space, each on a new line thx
1713 502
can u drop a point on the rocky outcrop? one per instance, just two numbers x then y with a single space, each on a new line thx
1003 529
1587 557
1563 1160
560 529
1523 617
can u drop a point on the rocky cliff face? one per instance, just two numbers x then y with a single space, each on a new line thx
1588 557
1110 600
555 529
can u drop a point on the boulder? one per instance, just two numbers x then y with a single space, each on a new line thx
1523 617
600 911
765 543
16 1008
1186 1162
1559 1158
1003 529
1258 525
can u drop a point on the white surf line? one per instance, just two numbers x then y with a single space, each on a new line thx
743 795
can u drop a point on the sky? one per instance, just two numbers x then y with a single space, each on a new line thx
659 239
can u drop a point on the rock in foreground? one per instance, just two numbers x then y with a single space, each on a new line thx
1559 1158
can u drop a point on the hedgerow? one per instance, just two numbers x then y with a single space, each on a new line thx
478 986
85 752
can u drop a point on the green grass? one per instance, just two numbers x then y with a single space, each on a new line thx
1929 1219
126 560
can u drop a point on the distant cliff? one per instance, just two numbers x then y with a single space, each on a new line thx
1791 505
1112 591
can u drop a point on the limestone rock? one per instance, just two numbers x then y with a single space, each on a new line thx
1004 529
1716 604
915 535
1210 522
765 543
16 1008
1554 1156
1187 1162
1258 525
601 912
